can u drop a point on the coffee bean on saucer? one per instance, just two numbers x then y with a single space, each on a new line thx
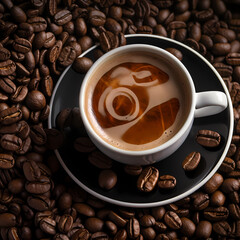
191 161
107 179
133 170
147 180
167 182
208 138
82 64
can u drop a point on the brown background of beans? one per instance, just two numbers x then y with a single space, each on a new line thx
38 40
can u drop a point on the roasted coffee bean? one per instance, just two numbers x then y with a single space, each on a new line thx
99 235
96 18
39 203
175 52
108 41
200 200
38 23
203 229
216 214
4 54
167 182
6 161
133 170
172 220
230 185
188 227
22 45
67 56
38 135
48 225
100 160
107 179
208 138
42 185
62 17
25 30
35 100
234 211
19 95
10 142
16 185
147 221
18 14
227 165
7 220
147 179
233 59
191 161
54 52
222 228
223 69
7 67
94 224
217 198
118 220
133 228
21 70
84 209
82 64
65 223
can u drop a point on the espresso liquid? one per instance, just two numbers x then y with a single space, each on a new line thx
135 106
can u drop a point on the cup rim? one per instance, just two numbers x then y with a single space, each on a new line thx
123 49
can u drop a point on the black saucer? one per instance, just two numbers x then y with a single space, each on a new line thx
125 193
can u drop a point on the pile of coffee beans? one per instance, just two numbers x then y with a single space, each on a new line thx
38 40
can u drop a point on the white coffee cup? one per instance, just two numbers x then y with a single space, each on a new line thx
201 104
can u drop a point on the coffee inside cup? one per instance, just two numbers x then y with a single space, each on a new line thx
137 101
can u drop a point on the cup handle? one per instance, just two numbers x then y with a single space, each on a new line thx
209 103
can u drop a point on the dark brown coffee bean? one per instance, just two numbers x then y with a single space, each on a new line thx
133 170
220 49
230 185
25 30
54 52
7 220
118 220
217 198
18 14
191 161
82 64
107 179
19 95
133 228
204 15
100 160
126 212
10 115
16 185
10 142
65 201
233 58
94 224
167 182
188 227
38 135
22 45
147 179
35 100
4 54
99 235
227 165
65 223
39 203
6 161
7 67
222 228
121 235
48 225
208 138
200 200
147 221
81 233
67 56
172 220
7 85
62 17
39 39
203 229
42 185
108 41
96 18
84 209
234 211
216 214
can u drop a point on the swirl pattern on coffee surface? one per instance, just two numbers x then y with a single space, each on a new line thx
130 107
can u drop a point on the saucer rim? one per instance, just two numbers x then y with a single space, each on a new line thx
166 201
